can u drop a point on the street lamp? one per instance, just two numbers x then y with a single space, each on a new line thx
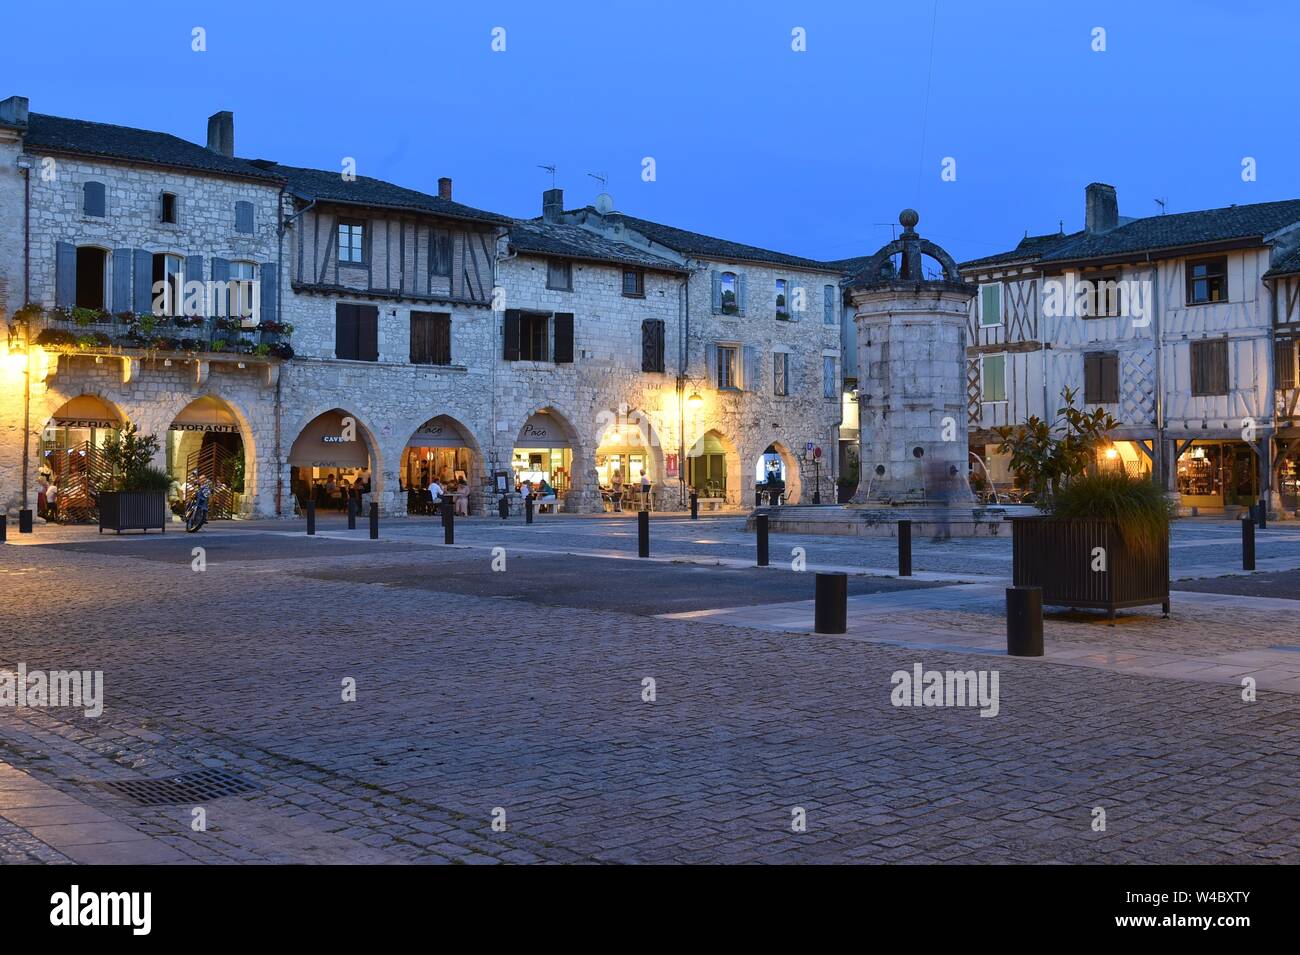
694 402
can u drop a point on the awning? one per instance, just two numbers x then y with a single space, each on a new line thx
439 432
206 414
542 431
322 445
86 411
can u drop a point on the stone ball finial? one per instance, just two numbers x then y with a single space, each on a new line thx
908 219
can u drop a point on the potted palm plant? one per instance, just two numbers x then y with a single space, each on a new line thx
136 497
1102 539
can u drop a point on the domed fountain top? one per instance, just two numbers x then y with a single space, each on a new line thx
909 247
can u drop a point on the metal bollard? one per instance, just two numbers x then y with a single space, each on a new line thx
25 521
528 509
311 517
449 527
695 506
352 513
374 521
905 548
831 611
1262 520
4 527
503 507
1024 621
643 533
1247 544
761 533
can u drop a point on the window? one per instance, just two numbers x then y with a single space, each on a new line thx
92 266
1101 297
1101 378
169 208
356 332
728 359
440 253
634 283
1210 367
780 373
527 336
782 299
559 275
352 243
430 338
1207 281
93 202
729 283
652 345
830 383
828 306
993 378
244 217
991 304
1285 361
168 284
242 275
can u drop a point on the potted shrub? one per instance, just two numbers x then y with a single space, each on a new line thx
1103 537
136 495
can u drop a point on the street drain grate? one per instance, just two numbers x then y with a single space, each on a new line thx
202 786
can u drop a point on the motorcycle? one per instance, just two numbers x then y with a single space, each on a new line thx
196 512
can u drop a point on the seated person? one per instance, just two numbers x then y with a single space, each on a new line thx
461 496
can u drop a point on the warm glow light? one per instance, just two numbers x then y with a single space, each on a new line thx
694 401
1112 453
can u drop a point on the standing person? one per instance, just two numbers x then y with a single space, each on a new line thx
645 491
617 482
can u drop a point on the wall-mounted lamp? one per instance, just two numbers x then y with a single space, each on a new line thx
694 401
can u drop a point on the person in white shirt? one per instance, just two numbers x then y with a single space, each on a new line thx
435 492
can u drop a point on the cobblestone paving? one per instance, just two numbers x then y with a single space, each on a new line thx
469 702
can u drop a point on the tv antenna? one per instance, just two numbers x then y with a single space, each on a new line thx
601 178
551 170
1161 203
893 227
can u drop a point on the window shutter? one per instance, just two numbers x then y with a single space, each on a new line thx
420 352
1091 382
511 335
1110 379
176 209
94 203
268 275
1284 362
65 274
563 337
742 293
244 216
791 373
158 211
220 269
711 362
345 331
828 305
652 345
717 291
121 280
440 339
193 273
750 380
368 332
142 290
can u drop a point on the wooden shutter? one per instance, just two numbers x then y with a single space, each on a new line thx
368 332
510 332
121 280
563 337
243 216
749 370
420 334
142 290
742 293
346 331
268 275
65 274
711 362
1110 378
94 202
1091 378
440 339
652 345
1284 362
717 291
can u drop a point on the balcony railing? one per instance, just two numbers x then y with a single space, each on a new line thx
91 330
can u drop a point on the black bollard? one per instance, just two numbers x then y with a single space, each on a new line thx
695 506
643 533
374 521
1262 520
449 527
311 517
761 533
1024 621
352 513
4 527
503 507
831 612
528 509
25 521
1247 544
905 548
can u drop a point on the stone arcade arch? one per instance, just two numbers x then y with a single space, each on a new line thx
781 459
441 447
334 443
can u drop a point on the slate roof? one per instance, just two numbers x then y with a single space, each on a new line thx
1156 233
56 134
1288 264
707 246
329 186
575 242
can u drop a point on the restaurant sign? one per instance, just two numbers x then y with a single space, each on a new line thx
59 422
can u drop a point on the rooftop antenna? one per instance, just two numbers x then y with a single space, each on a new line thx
1162 203
1060 226
601 178
551 170
893 229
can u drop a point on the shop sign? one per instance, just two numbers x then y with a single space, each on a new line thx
208 428
84 423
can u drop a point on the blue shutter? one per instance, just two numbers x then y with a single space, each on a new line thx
121 280
93 200
243 216
65 274
791 374
717 291
194 273
711 362
142 293
220 269
742 293
750 380
223 301
828 305
270 295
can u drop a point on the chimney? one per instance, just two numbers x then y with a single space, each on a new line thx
1101 208
221 133
13 111
444 187
552 204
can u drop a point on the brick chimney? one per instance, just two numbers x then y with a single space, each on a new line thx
1101 208
13 111
221 133
552 204
444 187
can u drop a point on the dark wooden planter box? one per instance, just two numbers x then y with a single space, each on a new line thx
132 510
1057 555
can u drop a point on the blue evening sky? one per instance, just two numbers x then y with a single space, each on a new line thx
812 153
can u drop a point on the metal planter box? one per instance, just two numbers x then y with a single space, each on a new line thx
132 510
1057 555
